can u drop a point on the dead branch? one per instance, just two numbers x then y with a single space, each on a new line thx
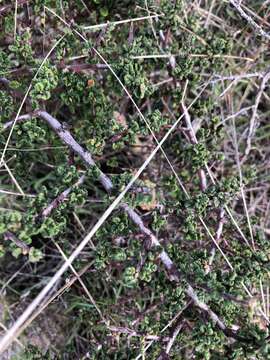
193 140
203 185
236 78
252 124
24 247
217 238
201 305
173 337
20 119
60 198
173 273
5 8
249 20
68 139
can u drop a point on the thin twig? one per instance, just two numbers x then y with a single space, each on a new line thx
176 317
2 191
242 182
167 56
20 119
55 296
60 198
68 139
24 247
114 23
203 185
237 77
193 140
13 178
164 257
167 262
4 9
252 124
218 238
83 285
15 19
249 19
201 305
173 337
26 96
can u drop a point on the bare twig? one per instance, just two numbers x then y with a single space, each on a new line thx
203 184
68 139
13 178
249 19
173 337
201 305
240 112
174 275
218 238
114 23
132 333
2 191
60 198
242 183
164 257
83 285
24 247
237 77
193 140
252 124
168 56
56 296
175 318
19 120
5 8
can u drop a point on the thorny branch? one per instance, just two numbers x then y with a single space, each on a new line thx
193 140
218 238
173 337
6 8
68 139
11 237
60 198
173 273
203 185
249 19
201 305
252 124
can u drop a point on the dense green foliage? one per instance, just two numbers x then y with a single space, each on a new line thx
130 285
